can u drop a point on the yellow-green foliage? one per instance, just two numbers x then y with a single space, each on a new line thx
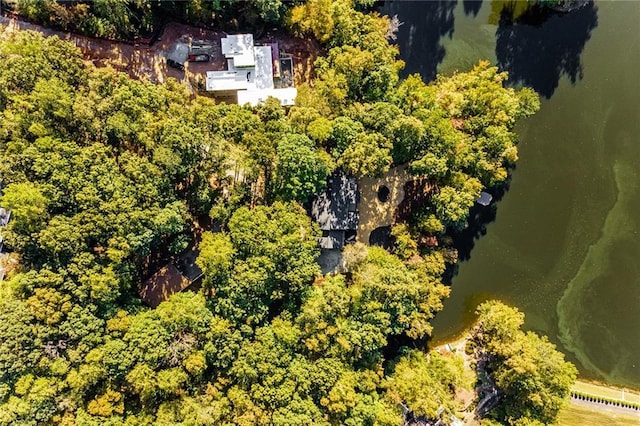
107 176
533 377
427 383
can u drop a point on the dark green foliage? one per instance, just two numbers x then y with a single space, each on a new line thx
132 19
351 319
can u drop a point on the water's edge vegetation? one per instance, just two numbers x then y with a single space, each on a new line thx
106 176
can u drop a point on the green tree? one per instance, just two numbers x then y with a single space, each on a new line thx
427 383
28 206
18 342
301 170
452 204
351 319
368 155
366 79
532 377
216 256
345 130
273 251
316 17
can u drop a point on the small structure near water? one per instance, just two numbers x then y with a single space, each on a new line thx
484 199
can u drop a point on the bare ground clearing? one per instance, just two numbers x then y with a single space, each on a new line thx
148 62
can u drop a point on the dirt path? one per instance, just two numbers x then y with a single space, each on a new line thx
141 62
148 62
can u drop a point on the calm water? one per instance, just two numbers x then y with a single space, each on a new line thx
564 246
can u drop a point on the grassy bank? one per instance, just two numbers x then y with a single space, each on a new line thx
606 392
578 415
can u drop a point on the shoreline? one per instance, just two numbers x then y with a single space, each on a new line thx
582 385
605 390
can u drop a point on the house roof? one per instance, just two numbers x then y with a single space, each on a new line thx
256 78
172 278
164 283
286 96
332 240
186 264
335 208
484 198
263 67
240 48
229 80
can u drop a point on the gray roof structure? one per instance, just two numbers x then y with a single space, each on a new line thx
335 208
484 199
5 215
186 264
332 240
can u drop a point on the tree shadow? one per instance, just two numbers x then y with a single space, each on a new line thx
471 7
424 24
479 217
540 45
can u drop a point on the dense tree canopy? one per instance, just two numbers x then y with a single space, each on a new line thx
128 20
107 178
426 384
267 259
301 170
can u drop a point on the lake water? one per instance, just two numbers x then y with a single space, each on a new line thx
564 246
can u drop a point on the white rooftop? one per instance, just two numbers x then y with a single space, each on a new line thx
229 80
286 96
257 77
264 67
250 73
239 47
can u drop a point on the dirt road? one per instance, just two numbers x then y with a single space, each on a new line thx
149 62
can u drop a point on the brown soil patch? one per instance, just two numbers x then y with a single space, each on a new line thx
148 62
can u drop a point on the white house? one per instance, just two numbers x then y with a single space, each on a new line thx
249 73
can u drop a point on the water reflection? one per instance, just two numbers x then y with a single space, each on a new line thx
538 46
424 24
471 7
479 217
